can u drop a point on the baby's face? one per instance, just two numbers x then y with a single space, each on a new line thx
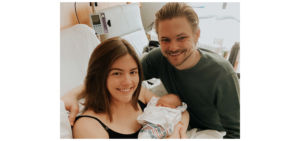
162 103
170 101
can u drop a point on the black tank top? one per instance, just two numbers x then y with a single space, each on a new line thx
111 133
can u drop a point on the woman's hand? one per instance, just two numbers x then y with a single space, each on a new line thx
71 102
182 133
185 121
177 131
180 128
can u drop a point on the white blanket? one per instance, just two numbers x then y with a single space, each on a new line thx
205 134
163 116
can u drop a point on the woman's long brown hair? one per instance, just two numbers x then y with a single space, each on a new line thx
96 94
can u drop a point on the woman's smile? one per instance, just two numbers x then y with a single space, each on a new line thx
125 90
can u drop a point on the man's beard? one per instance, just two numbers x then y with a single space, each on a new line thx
185 52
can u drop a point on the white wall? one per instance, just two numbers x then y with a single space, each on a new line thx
148 10
218 24
219 27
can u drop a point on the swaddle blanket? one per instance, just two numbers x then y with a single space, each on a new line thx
159 122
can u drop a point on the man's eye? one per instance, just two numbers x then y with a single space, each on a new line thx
181 38
164 40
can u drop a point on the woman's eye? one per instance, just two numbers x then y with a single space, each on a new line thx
133 72
116 73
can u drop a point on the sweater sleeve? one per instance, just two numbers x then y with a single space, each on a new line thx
228 105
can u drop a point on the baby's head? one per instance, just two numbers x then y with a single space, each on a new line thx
169 100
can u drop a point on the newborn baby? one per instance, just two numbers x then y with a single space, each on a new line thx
160 116
170 100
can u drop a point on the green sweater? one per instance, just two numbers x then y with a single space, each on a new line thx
210 89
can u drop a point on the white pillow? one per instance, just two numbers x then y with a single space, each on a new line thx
65 127
138 40
76 45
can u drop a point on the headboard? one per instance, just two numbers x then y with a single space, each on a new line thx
126 22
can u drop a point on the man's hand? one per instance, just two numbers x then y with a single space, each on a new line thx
71 102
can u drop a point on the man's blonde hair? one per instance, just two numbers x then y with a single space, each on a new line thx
172 10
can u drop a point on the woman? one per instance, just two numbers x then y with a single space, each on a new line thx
113 94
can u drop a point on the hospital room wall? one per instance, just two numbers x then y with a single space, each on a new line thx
148 10
68 16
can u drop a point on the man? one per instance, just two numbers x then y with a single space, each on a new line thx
202 79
